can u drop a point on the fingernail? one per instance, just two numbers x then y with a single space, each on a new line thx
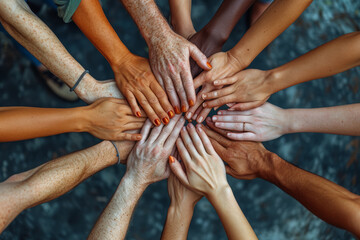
188 115
195 116
165 120
209 65
190 126
200 119
199 127
171 114
208 119
204 105
220 112
184 128
191 103
216 82
138 114
177 110
214 118
203 96
183 108
217 124
138 137
190 120
171 159
157 122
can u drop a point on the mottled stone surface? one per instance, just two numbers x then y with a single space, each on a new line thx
272 213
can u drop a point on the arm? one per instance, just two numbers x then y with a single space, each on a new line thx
132 73
205 174
255 86
147 163
280 15
55 178
169 53
180 12
105 119
249 160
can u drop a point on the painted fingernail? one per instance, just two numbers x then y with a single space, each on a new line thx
214 118
188 115
171 159
165 120
171 114
203 96
157 122
216 82
183 108
138 114
191 103
177 110
209 65
200 119
190 120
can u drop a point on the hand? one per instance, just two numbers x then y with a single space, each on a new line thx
248 88
94 90
147 161
204 170
108 118
246 160
260 124
180 195
224 64
169 59
138 84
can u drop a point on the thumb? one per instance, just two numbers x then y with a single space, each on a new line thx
199 58
178 170
230 171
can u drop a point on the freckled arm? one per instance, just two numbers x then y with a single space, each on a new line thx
55 178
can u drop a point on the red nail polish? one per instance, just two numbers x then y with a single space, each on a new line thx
177 110
209 65
165 120
171 114
183 108
191 103
138 114
171 159
157 122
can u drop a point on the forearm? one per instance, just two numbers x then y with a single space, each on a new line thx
147 16
226 17
329 59
342 208
114 221
181 17
91 20
177 222
279 16
235 223
21 123
52 179
34 35
344 120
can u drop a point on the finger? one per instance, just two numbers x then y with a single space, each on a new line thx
133 104
203 114
217 93
133 125
233 112
171 93
189 144
247 105
246 136
231 118
183 152
200 80
163 99
196 114
155 104
219 138
145 131
133 119
166 131
219 101
199 58
178 171
180 92
212 126
225 81
175 133
188 82
159 79
238 126
148 109
230 171
128 136
205 140
154 134
196 139
219 149
198 103
230 104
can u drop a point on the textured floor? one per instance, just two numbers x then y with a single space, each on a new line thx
272 213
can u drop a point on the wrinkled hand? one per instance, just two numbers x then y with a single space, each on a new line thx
138 84
147 161
109 118
246 160
263 123
204 170
224 65
169 60
248 88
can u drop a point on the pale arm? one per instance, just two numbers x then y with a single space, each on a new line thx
181 17
55 178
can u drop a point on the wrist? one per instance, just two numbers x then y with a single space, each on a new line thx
237 61
222 191
180 211
82 119
119 63
272 164
140 181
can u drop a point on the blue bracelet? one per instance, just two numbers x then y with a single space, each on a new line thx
117 151
79 80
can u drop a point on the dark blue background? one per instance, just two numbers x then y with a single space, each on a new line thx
272 213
